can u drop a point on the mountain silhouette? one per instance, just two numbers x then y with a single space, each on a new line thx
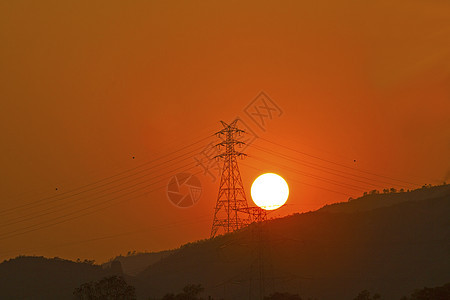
390 244
387 243
44 278
135 263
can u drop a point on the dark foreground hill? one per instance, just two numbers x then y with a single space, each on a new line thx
324 254
44 278
390 244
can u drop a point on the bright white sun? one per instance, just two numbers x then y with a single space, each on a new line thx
269 191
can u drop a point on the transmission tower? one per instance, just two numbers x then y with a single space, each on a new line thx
231 211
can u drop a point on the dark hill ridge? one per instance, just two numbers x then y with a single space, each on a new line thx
329 255
386 243
376 200
44 278
135 263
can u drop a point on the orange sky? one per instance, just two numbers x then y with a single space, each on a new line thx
84 87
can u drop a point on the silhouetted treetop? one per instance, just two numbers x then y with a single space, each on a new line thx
108 288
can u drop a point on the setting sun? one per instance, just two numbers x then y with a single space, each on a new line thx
269 191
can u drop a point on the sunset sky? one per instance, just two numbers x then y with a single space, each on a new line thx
362 90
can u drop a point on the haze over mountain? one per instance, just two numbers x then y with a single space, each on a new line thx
135 263
389 243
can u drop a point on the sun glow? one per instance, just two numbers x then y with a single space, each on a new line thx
270 191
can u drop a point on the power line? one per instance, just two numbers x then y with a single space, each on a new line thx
325 169
58 197
114 181
300 182
200 219
335 182
338 164
88 200
31 228
32 204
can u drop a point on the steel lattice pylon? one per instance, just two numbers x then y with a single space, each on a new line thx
231 211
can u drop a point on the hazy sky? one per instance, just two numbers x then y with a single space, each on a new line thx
85 86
